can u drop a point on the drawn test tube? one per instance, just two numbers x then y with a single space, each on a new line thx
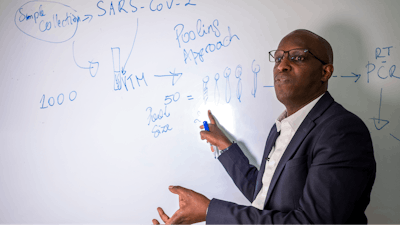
117 68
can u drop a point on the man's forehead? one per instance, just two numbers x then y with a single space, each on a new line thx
308 40
297 40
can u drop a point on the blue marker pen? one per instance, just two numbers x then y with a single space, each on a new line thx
216 151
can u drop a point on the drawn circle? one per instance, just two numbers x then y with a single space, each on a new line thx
58 99
255 69
227 72
43 26
179 95
51 98
94 65
194 35
238 71
72 99
159 5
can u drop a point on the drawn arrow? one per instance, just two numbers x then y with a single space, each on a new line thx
90 17
377 121
173 75
354 75
93 66
137 28
395 137
379 125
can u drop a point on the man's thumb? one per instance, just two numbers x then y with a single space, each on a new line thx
176 189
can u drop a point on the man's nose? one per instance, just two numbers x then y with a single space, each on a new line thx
284 65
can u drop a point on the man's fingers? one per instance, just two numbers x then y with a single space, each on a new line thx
211 117
176 218
203 135
202 127
163 216
155 222
212 149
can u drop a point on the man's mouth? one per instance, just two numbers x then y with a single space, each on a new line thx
281 78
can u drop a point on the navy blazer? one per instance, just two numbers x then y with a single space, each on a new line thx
325 175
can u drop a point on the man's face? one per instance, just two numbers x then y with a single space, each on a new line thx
297 83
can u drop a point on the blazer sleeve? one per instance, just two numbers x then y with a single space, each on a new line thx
243 174
340 178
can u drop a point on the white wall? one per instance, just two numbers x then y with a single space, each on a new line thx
92 157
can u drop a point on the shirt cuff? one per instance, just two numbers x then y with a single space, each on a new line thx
226 149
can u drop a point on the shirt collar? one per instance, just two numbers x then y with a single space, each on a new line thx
296 118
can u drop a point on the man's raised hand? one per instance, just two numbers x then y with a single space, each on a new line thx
215 136
192 207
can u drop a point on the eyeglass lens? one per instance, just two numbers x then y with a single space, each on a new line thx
279 54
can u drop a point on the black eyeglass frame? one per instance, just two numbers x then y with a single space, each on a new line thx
305 50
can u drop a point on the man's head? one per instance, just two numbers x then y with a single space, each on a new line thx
299 80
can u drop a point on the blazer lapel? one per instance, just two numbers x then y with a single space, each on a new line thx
306 126
273 135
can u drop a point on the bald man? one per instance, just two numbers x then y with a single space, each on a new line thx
318 164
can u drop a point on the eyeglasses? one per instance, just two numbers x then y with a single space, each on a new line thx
294 55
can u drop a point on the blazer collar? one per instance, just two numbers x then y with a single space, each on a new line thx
306 126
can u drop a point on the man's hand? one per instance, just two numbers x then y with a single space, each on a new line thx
192 207
215 135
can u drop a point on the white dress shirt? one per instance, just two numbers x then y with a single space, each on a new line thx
288 127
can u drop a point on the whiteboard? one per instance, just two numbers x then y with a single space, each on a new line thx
101 101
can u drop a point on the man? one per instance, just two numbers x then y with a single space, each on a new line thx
318 164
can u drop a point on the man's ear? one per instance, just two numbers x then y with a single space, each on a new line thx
327 71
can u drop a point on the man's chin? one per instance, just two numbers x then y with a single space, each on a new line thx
283 95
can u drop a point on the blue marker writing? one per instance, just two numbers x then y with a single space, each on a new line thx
216 151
